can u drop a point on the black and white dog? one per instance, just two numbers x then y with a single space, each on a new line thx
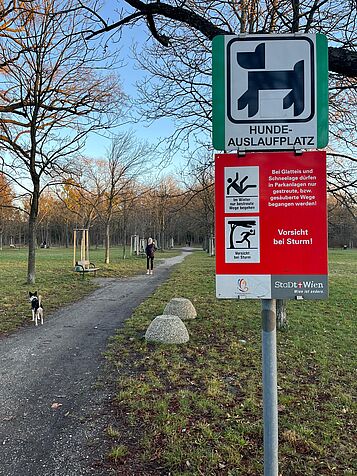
36 306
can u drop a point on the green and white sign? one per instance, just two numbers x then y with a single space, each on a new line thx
270 92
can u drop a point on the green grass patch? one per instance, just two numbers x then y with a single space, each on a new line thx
196 409
56 281
118 453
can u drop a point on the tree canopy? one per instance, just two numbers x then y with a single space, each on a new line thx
221 17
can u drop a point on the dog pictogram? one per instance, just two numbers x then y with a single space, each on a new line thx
260 80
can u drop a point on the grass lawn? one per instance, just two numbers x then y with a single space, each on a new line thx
196 409
55 279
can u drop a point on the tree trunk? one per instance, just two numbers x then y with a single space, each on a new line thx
281 317
107 242
31 264
67 236
124 241
124 245
124 231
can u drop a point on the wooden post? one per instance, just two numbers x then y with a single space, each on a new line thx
74 247
86 245
82 247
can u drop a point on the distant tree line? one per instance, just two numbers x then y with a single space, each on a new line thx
59 83
342 224
170 212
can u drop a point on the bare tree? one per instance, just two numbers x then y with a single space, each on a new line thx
200 197
10 12
6 203
116 180
53 95
178 60
217 17
342 222
78 197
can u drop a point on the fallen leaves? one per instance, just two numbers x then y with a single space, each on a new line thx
56 405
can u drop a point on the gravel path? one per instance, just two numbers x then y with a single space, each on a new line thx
53 407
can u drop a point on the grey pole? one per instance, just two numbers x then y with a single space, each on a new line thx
270 387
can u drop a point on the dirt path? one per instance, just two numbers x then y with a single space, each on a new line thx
60 363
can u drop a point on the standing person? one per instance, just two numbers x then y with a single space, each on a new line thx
150 253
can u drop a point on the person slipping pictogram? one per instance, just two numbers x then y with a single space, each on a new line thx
246 235
238 188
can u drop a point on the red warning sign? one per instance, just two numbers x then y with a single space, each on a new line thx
271 225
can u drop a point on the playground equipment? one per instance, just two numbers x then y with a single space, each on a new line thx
211 246
83 265
134 244
137 245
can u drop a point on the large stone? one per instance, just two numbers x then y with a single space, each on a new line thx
181 307
167 329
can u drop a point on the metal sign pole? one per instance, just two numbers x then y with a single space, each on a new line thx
270 387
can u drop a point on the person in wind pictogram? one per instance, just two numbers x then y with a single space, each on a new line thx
246 235
239 188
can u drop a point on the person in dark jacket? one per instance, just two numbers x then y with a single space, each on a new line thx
150 254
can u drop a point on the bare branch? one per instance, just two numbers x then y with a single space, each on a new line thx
341 60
